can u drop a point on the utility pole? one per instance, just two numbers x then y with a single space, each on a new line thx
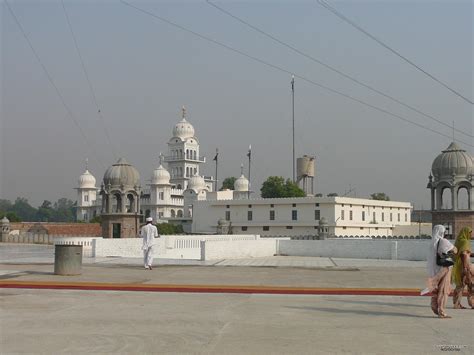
216 159
293 111
249 154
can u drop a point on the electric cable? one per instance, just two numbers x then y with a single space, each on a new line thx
50 79
345 75
398 54
94 97
286 71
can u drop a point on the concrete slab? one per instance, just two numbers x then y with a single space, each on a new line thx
80 322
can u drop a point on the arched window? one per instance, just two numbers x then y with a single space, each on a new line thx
463 198
180 213
195 155
187 153
116 202
147 213
130 203
173 214
446 200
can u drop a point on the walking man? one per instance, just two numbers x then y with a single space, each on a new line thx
148 233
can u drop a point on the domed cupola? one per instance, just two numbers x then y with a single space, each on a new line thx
197 183
161 176
122 174
453 162
87 180
241 184
183 129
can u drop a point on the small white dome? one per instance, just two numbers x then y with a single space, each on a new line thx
183 129
161 176
87 180
241 184
197 183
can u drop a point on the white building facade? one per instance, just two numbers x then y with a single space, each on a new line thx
300 216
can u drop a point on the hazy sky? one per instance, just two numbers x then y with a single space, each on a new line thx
144 70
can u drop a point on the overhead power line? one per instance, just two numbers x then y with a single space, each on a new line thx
286 71
94 97
48 75
345 75
383 44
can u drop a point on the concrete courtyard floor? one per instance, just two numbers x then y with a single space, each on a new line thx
83 320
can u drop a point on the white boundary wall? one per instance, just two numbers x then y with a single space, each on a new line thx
212 247
236 249
357 248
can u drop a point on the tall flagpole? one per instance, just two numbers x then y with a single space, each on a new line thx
216 159
249 154
293 109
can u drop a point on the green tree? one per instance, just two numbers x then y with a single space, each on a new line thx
276 186
24 210
5 205
332 194
63 210
96 219
168 228
11 216
45 211
228 183
381 196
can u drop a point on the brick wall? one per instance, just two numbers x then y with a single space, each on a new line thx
76 229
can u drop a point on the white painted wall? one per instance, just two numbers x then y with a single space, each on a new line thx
237 249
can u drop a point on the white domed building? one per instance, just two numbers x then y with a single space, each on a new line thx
163 198
452 189
86 197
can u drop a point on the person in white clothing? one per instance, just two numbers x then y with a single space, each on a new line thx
148 232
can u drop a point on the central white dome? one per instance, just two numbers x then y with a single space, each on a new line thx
183 129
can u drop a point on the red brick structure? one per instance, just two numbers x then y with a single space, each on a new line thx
63 229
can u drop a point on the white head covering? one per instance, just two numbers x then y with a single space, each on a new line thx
149 219
443 247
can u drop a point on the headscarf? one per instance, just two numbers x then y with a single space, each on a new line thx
463 243
438 234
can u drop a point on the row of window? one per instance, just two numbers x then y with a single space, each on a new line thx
294 215
374 219
178 172
190 154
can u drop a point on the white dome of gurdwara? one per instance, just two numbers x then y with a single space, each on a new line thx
183 129
241 184
86 180
197 183
161 176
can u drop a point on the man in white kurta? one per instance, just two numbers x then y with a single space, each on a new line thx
148 233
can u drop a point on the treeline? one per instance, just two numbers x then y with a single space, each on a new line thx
63 210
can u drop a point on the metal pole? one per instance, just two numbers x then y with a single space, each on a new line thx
216 158
250 158
293 110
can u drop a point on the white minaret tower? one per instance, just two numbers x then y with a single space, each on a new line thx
86 196
183 153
